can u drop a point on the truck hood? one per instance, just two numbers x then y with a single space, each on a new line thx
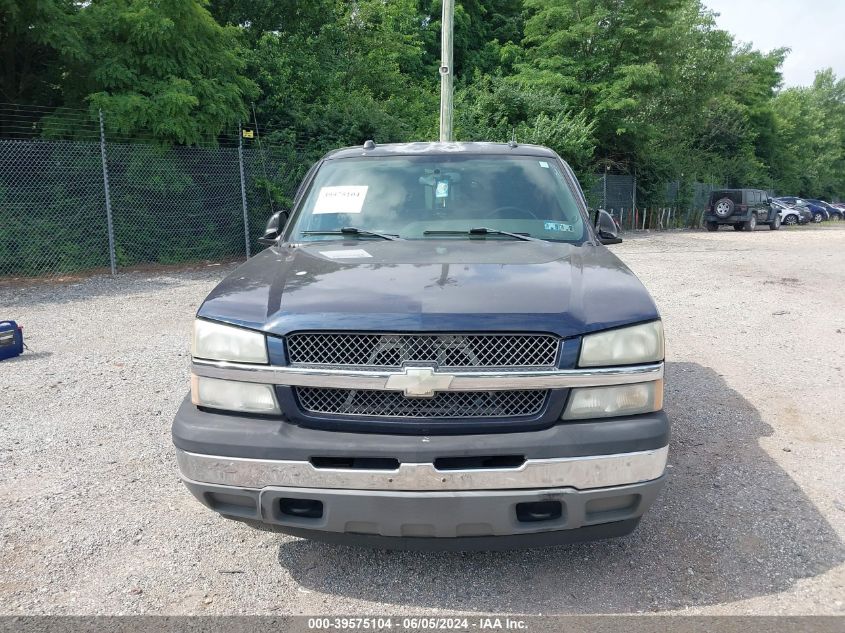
425 285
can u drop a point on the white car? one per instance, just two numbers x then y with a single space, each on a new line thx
791 215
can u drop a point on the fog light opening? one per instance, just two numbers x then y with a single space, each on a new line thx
536 511
301 508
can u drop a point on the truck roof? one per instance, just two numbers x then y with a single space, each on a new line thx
434 148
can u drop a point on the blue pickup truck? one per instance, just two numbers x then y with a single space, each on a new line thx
436 350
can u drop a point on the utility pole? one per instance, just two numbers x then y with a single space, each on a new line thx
446 74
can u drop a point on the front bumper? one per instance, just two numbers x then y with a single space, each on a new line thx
581 473
470 519
598 476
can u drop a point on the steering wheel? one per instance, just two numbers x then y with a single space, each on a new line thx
525 213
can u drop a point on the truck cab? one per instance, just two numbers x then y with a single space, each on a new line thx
437 350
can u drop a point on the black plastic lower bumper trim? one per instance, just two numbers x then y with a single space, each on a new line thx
460 544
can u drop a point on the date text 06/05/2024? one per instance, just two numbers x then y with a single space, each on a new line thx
418 623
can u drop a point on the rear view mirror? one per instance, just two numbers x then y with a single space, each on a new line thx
606 228
274 228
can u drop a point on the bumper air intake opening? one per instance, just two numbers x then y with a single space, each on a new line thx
612 508
232 504
479 462
537 511
362 463
301 508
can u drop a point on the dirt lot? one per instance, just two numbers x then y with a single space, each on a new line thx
95 520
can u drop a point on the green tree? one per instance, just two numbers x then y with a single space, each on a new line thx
646 85
37 37
642 71
160 67
483 28
810 124
350 80
497 109
257 17
605 57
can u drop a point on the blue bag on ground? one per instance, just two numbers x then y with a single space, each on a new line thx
11 339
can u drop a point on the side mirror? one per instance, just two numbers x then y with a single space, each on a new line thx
606 228
274 228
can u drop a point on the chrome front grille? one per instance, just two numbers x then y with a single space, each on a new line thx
447 351
446 404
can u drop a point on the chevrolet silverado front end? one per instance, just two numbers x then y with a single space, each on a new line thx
437 351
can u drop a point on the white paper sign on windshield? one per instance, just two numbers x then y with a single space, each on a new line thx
351 253
345 199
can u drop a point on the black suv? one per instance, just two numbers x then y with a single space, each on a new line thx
743 208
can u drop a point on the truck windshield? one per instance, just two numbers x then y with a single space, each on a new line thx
442 197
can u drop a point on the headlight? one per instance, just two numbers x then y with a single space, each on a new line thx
605 402
625 346
248 397
215 341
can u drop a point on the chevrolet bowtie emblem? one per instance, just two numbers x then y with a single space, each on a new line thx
419 382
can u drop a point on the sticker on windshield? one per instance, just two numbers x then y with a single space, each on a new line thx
557 226
442 189
346 199
349 253
544 164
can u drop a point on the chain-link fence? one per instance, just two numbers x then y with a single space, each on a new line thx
71 205
682 203
53 215
73 197
271 175
175 204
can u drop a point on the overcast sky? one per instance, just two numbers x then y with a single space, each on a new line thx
813 29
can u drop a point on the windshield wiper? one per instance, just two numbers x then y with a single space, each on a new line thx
352 230
483 230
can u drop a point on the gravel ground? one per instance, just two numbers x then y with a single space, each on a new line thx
95 520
